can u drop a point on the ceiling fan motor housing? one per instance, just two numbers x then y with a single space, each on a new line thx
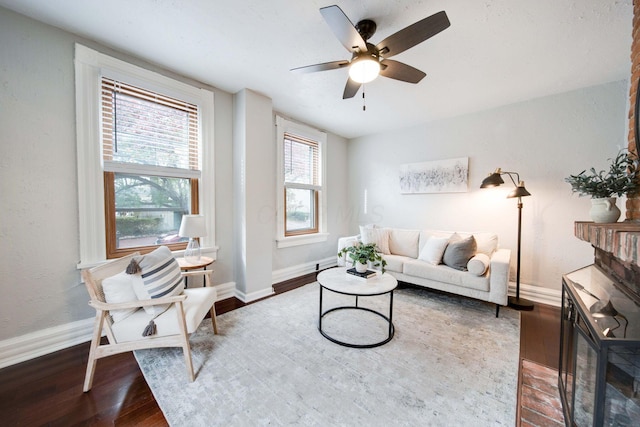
366 28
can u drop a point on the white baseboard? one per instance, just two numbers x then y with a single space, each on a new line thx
537 294
45 341
301 269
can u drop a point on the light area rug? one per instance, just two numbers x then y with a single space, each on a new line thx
450 363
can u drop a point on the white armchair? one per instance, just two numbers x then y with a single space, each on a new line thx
172 327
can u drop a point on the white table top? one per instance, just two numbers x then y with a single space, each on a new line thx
338 280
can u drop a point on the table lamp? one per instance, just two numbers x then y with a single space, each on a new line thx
192 226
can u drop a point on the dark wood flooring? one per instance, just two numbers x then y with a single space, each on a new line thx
47 391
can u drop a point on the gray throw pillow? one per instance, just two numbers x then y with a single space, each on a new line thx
459 251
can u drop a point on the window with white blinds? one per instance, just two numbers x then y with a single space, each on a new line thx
145 145
302 194
151 166
301 185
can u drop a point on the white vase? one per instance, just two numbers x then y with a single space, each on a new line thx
360 267
604 210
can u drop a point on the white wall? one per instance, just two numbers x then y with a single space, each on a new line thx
544 140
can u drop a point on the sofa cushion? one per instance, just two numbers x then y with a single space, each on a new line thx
433 250
379 236
479 264
444 274
487 243
404 242
459 251
395 262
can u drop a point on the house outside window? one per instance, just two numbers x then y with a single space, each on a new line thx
145 158
301 186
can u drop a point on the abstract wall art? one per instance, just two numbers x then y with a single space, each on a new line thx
439 176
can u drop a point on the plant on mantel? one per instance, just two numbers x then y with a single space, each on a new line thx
363 253
620 179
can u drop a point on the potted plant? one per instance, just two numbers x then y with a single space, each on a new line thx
361 254
621 178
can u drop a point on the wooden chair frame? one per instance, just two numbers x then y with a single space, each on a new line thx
93 281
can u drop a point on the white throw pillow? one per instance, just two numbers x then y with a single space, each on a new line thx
433 250
159 277
479 264
117 289
379 236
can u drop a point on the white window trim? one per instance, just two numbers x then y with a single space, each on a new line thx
90 66
286 126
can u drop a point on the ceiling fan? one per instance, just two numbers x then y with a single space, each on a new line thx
369 61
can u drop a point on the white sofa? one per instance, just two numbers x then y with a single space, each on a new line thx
413 256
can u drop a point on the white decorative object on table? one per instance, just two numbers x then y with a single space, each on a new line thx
193 226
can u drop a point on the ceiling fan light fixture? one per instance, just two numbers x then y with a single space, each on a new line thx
364 69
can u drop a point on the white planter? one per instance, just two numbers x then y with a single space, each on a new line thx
360 267
604 210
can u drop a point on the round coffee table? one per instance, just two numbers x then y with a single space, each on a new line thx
339 281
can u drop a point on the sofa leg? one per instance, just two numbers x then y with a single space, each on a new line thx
497 309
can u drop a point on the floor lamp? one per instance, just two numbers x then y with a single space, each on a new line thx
494 180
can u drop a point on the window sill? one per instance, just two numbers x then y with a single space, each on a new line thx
285 242
211 252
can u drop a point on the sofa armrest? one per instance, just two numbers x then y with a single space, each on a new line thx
499 276
344 242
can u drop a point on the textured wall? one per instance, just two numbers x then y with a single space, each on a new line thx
633 202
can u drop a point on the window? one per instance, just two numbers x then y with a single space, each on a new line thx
145 158
302 212
151 167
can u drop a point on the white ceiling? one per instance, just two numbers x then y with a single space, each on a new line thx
496 52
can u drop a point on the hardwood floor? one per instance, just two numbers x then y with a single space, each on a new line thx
47 391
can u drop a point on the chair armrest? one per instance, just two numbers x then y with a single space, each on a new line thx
105 306
499 276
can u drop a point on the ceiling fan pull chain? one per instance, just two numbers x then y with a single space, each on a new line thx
364 106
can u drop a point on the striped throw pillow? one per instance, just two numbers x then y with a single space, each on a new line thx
159 277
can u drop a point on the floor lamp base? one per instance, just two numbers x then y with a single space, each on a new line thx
520 304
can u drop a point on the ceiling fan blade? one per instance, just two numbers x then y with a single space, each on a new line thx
351 89
333 65
413 34
399 71
343 28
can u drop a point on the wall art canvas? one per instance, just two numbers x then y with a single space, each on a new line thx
439 176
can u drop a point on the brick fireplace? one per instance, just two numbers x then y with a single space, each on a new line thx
617 245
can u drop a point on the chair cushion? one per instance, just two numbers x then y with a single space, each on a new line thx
196 306
117 289
159 276
459 251
433 250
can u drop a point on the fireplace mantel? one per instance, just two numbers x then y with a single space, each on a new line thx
617 250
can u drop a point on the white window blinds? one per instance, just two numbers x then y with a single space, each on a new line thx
148 133
301 165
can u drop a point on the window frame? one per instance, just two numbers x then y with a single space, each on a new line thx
90 67
306 236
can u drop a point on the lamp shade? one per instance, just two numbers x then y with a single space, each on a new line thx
519 191
493 180
364 69
193 226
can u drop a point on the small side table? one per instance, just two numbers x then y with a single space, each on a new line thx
187 266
